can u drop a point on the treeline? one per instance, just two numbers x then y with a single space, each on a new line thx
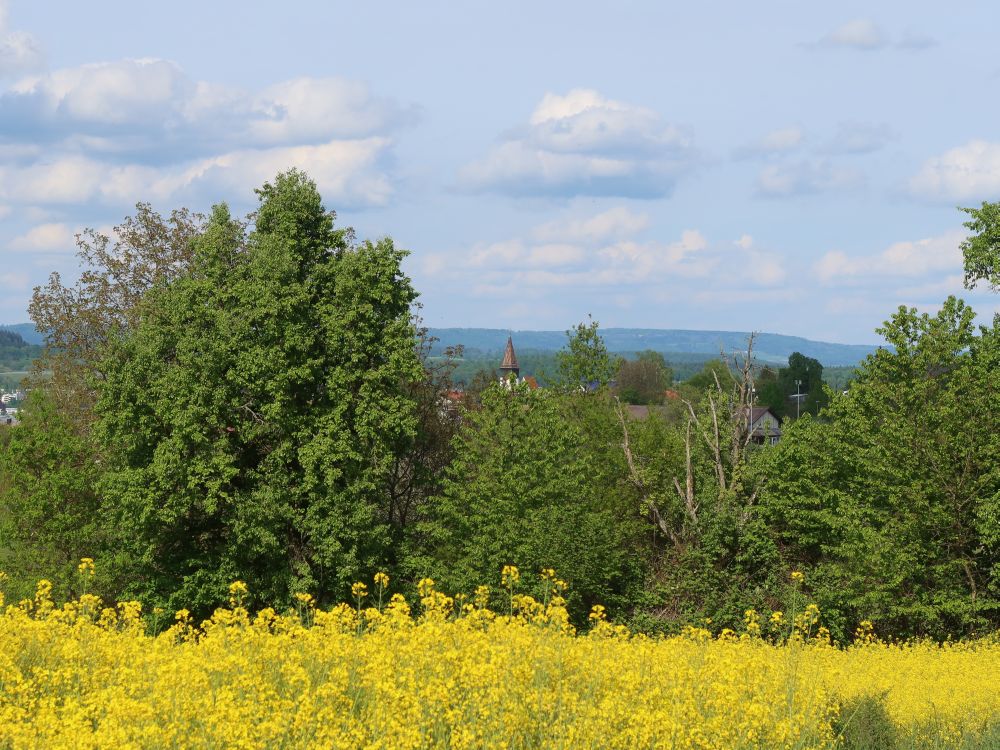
475 366
16 355
232 398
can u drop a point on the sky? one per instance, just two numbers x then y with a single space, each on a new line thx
785 167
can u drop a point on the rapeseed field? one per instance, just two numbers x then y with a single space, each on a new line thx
451 672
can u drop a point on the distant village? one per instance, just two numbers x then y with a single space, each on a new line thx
9 404
764 424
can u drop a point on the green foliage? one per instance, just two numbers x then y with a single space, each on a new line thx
15 354
801 380
981 249
49 515
532 485
585 360
710 371
865 724
255 410
895 504
717 558
643 380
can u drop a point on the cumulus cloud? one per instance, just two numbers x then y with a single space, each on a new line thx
116 132
19 51
605 252
904 260
143 107
966 173
806 177
613 223
780 141
347 172
46 238
860 34
584 144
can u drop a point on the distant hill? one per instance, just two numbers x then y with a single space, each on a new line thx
769 347
27 332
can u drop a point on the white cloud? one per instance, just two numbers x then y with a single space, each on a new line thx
861 34
143 106
513 254
865 35
347 173
909 259
603 252
584 144
141 129
966 173
806 177
763 268
780 141
613 223
45 238
19 50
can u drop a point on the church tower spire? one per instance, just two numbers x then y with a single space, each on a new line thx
509 364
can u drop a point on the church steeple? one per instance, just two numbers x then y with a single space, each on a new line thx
509 364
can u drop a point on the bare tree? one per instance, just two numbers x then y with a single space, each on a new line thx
722 424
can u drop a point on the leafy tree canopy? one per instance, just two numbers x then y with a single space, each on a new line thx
254 408
981 249
585 361
896 502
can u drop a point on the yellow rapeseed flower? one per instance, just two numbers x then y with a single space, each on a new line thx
510 575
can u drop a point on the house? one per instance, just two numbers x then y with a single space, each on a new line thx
765 427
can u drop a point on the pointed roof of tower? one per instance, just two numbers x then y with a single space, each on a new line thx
509 358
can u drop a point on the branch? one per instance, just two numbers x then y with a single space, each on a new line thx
636 479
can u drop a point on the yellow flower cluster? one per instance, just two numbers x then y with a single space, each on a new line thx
85 675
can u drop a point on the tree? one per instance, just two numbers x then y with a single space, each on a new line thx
255 411
417 472
643 380
778 390
894 504
118 270
530 486
714 371
981 249
585 362
770 392
699 488
49 504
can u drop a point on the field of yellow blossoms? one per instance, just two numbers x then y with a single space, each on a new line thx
380 673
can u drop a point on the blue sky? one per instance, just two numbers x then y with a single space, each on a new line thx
782 166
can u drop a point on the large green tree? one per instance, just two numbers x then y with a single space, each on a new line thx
534 484
894 503
255 411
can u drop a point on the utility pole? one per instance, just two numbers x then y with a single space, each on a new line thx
798 398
